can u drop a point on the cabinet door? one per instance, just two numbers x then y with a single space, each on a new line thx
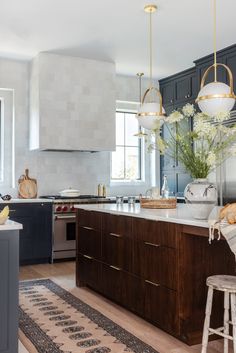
117 241
42 230
167 91
161 307
36 235
168 131
185 88
88 272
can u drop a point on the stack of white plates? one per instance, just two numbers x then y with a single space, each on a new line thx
69 193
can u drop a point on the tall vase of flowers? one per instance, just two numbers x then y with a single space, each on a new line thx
200 150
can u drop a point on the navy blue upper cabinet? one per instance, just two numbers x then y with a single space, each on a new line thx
179 88
182 88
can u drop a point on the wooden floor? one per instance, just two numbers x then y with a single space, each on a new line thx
63 273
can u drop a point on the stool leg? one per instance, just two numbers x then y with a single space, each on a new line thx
233 315
207 320
226 321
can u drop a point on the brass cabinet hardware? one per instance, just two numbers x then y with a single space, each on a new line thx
88 228
115 268
152 283
151 244
116 235
88 257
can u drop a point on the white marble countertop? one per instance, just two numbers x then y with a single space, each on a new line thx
10 225
180 215
25 201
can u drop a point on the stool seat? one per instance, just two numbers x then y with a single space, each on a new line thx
222 283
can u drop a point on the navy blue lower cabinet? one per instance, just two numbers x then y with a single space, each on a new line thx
36 235
9 268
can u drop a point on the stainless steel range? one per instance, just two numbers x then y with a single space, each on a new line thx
64 223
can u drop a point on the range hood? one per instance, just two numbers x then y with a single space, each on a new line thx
72 104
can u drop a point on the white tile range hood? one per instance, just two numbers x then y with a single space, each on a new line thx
72 104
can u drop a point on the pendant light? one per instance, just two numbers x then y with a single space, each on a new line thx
151 113
216 97
140 75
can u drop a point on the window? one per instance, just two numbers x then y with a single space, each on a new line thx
127 159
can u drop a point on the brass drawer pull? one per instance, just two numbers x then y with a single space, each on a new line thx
88 228
88 257
151 244
152 283
116 235
115 268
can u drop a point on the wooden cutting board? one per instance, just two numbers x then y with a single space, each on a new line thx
27 187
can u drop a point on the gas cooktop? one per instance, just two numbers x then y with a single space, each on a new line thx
81 197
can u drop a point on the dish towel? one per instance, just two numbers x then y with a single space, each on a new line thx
224 228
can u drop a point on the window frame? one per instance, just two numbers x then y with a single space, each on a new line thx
141 149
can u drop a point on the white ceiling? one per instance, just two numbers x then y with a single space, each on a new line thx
116 30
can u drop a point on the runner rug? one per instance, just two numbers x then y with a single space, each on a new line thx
53 320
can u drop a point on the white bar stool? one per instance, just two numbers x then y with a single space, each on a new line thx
226 284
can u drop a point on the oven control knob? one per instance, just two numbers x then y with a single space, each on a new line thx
72 208
64 208
58 209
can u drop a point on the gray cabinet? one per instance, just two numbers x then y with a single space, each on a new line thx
9 264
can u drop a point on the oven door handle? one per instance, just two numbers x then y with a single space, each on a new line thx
64 217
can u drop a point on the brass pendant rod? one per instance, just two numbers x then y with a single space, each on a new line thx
215 45
150 47
140 75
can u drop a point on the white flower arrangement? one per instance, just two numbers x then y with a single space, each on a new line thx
200 150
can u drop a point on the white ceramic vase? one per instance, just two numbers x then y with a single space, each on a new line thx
201 196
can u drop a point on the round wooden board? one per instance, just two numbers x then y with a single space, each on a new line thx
27 189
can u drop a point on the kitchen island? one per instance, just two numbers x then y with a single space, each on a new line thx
9 268
153 262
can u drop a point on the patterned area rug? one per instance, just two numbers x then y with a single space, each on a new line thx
56 321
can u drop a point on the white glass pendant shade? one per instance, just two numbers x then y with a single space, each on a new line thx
149 115
216 98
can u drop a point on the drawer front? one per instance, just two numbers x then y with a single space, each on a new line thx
88 271
89 219
112 282
117 250
161 307
89 241
119 225
156 263
155 232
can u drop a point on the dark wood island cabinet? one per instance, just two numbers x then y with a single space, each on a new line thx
156 269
